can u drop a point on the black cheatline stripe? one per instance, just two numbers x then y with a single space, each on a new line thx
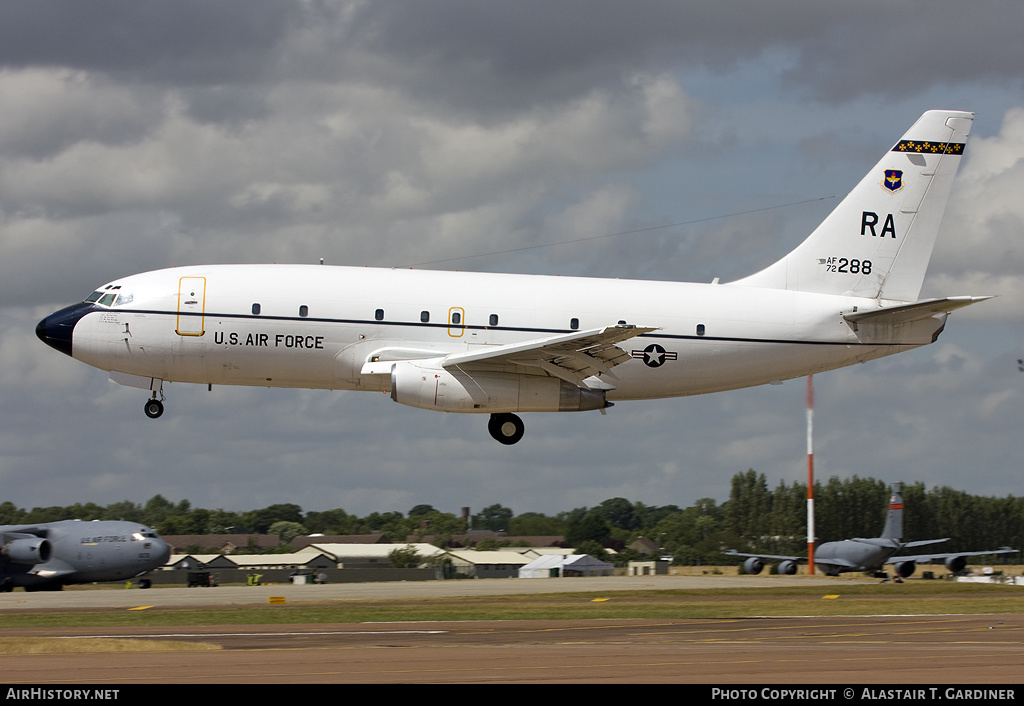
414 324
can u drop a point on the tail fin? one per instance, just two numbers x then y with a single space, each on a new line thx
878 241
894 519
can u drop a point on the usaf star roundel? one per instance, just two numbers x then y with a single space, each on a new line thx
654 355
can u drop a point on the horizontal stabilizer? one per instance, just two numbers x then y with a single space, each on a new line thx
905 313
925 542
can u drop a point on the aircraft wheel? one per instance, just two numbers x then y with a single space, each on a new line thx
506 428
154 408
144 583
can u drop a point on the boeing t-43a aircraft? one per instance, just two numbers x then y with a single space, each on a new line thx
499 343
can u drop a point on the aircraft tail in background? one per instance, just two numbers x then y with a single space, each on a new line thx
894 518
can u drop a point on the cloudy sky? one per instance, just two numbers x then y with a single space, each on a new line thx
655 140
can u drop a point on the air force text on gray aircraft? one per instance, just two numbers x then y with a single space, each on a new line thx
108 538
264 340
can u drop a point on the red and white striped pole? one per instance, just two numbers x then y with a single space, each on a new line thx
810 475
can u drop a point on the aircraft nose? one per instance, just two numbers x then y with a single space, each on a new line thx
161 552
56 329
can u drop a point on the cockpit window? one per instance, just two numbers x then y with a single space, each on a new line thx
110 298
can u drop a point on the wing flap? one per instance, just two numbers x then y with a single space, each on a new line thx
573 357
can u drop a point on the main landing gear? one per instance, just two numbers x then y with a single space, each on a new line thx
506 428
154 407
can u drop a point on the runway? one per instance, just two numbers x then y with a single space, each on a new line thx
877 650
882 649
243 595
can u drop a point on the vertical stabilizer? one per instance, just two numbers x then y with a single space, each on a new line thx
878 241
894 519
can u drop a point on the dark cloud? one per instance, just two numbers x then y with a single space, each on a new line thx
906 48
186 41
492 56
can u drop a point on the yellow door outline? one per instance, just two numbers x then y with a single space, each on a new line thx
191 306
456 329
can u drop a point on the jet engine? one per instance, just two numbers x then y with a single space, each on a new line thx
905 568
437 388
753 565
956 563
30 550
786 568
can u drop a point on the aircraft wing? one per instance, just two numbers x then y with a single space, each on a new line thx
905 313
939 558
573 357
733 552
12 532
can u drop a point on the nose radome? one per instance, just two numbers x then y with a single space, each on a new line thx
163 552
56 329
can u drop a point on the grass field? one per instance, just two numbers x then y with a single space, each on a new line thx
909 598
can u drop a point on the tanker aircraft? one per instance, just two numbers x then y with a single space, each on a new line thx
50 555
870 554
498 344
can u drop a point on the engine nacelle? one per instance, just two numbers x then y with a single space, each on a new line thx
753 565
786 568
32 550
905 568
955 564
434 387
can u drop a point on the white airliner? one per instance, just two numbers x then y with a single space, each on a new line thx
501 343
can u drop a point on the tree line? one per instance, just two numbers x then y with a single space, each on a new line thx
755 518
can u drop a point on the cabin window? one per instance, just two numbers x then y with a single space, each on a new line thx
107 299
574 323
124 298
379 315
493 321
456 318
303 310
255 309
700 329
424 316
93 297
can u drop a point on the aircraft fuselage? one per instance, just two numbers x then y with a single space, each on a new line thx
314 326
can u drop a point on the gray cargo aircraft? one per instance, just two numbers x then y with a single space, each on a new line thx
49 555
870 554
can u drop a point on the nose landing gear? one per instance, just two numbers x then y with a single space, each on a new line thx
506 428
